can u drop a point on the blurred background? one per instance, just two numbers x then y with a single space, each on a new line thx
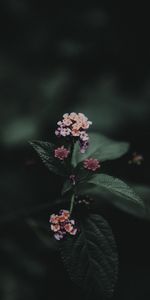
57 58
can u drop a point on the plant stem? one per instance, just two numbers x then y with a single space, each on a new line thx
72 198
71 204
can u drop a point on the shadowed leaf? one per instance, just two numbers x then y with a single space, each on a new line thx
100 147
46 152
116 192
91 257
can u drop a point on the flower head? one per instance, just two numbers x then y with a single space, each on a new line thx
74 125
61 153
136 159
64 224
91 164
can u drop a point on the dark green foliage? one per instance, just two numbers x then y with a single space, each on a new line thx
46 152
100 147
66 187
116 192
91 257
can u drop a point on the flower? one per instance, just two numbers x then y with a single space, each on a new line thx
75 132
65 213
74 231
68 227
84 136
91 164
54 219
67 122
74 125
58 236
55 227
72 178
73 116
83 201
64 131
83 146
136 159
61 153
57 133
64 224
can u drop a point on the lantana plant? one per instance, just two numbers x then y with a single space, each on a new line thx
84 237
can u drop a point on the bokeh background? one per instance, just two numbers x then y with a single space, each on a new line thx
57 58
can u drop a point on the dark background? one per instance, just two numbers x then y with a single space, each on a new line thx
58 57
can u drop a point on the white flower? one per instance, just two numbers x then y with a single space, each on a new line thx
65 131
84 136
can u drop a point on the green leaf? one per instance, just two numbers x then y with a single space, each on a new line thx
46 152
66 187
115 191
91 257
144 192
100 147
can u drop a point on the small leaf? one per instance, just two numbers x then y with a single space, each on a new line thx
100 147
46 152
91 257
66 187
144 192
115 191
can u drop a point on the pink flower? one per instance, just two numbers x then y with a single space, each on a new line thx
82 117
91 164
59 123
61 153
57 132
74 125
64 225
67 122
72 222
66 115
68 227
84 136
73 116
55 227
75 132
54 219
65 131
65 213
85 125
74 231
77 125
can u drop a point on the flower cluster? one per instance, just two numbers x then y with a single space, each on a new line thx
136 159
91 164
74 125
83 200
61 224
61 153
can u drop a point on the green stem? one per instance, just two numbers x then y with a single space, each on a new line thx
73 195
71 204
